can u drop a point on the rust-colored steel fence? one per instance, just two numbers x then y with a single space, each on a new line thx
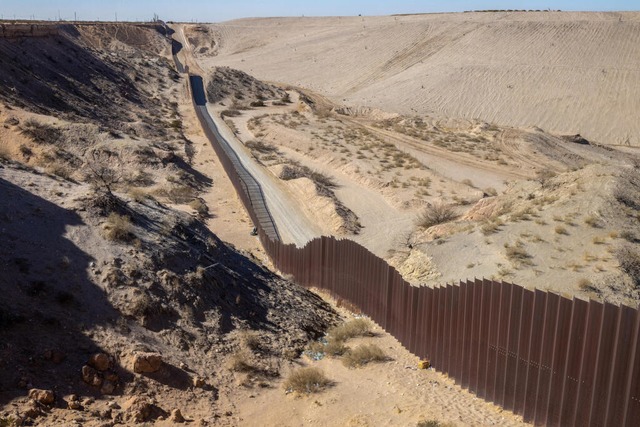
555 361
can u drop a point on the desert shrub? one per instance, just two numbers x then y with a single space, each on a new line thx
176 124
200 207
433 423
294 171
41 133
240 362
490 191
5 153
286 98
138 194
592 221
231 112
334 348
260 146
363 354
178 193
517 254
306 380
490 227
585 284
354 328
627 190
258 103
437 213
26 151
59 169
250 340
561 230
629 258
118 228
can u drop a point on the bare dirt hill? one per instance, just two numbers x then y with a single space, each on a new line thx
116 300
565 72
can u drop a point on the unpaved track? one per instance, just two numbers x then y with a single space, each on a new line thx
292 224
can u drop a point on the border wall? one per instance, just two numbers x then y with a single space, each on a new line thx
555 361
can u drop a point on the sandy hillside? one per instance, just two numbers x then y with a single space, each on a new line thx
564 72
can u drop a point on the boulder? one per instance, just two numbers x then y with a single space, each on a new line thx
138 409
100 361
91 376
146 362
46 397
108 387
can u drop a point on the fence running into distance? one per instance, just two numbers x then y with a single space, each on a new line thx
553 360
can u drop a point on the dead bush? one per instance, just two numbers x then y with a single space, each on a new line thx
232 112
517 254
200 207
306 380
5 153
41 133
437 213
363 354
118 228
261 146
354 328
627 190
628 256
240 361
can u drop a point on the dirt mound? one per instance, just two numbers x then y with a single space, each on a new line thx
241 87
68 76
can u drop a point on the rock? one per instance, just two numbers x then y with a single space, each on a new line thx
138 409
198 382
111 376
46 397
55 356
91 376
146 362
108 387
74 405
176 416
113 405
100 361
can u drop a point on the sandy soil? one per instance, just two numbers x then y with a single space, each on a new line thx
393 393
566 72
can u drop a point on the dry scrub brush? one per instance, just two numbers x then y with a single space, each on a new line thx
437 213
355 328
363 354
118 228
306 380
628 256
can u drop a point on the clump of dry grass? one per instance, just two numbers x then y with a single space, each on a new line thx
118 228
363 354
629 258
5 153
200 207
517 254
561 230
306 380
240 362
437 213
592 221
354 328
41 133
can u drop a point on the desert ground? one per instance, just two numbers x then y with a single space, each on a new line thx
498 145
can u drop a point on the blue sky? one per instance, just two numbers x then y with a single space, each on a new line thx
222 10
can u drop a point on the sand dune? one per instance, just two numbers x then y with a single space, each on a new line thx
564 72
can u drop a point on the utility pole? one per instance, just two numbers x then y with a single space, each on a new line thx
116 16
75 17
